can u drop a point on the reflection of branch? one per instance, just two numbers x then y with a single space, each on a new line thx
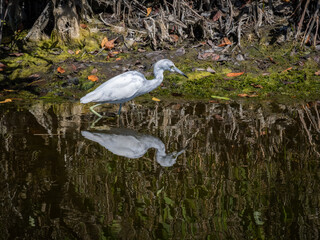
311 118
307 131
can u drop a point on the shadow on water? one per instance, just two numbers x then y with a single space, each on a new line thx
231 171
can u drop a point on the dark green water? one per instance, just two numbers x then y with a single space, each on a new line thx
195 171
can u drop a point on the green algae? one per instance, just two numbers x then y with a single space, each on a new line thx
269 71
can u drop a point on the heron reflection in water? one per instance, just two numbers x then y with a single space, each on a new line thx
131 144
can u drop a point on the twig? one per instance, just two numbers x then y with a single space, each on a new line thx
302 19
111 25
197 14
316 34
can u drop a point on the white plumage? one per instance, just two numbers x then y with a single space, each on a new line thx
131 144
128 85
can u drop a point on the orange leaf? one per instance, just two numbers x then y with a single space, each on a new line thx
78 51
286 70
243 95
104 41
148 11
174 37
108 44
60 70
234 74
156 99
317 73
225 42
119 58
217 16
7 100
82 25
93 78
271 59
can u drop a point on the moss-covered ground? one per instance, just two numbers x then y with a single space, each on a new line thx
269 71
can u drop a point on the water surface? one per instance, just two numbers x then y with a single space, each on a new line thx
162 171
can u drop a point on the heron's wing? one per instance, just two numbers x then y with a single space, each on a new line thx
120 88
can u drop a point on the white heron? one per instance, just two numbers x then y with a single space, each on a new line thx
128 85
131 144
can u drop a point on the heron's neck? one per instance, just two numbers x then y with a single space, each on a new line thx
158 73
152 84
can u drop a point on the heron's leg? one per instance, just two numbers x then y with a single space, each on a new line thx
92 110
120 109
94 123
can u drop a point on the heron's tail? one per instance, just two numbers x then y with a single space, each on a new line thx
87 98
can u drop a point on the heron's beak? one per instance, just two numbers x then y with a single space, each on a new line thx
180 72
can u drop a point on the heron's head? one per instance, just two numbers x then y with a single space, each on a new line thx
168 160
168 65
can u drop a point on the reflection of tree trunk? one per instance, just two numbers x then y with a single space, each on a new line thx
66 20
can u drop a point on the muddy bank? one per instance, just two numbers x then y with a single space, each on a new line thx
257 71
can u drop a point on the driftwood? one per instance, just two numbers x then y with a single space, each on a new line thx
35 32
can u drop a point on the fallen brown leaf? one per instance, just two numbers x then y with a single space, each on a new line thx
218 117
206 55
286 70
60 70
256 85
16 54
7 100
118 59
225 42
93 78
243 95
271 59
148 11
217 16
70 52
234 74
174 37
247 95
104 41
82 25
74 67
108 44
94 71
